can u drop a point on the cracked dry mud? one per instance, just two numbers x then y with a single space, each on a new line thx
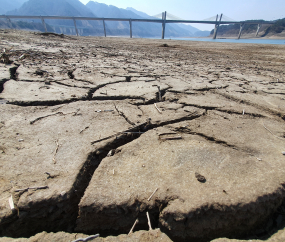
95 132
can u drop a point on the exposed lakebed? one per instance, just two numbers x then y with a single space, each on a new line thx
99 132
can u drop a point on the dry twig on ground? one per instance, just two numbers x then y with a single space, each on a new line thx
171 136
56 150
31 188
123 132
272 133
152 194
159 93
11 203
157 108
131 231
148 220
87 239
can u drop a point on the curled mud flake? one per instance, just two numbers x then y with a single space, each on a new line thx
200 178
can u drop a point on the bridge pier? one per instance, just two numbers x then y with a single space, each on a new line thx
74 21
104 28
258 28
163 24
240 30
216 28
131 31
217 25
9 22
44 24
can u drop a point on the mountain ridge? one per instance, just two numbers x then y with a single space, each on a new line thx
249 30
53 7
8 5
139 29
196 32
94 9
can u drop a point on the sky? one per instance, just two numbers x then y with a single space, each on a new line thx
203 9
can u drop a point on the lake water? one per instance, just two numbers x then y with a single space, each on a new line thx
247 41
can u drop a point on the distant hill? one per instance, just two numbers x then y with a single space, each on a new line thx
194 31
9 5
232 30
189 28
93 9
276 29
110 11
204 33
61 8
139 29
53 7
139 13
24 25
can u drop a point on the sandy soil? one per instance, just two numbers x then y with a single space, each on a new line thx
98 132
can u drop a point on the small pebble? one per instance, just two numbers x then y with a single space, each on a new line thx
283 153
21 140
200 178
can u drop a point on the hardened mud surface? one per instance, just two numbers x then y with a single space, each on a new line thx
98 132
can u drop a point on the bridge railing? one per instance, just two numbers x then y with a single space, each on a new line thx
163 21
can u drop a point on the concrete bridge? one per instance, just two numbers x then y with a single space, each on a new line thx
163 21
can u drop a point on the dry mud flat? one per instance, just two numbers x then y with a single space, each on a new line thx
98 132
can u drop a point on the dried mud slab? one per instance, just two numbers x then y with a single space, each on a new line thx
192 133
158 114
278 237
145 91
273 103
214 101
238 185
33 93
193 84
47 160
140 236
46 237
40 73
4 73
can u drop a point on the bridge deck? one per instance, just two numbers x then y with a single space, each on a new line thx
137 20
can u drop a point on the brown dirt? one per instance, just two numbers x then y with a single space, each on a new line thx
140 236
91 127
